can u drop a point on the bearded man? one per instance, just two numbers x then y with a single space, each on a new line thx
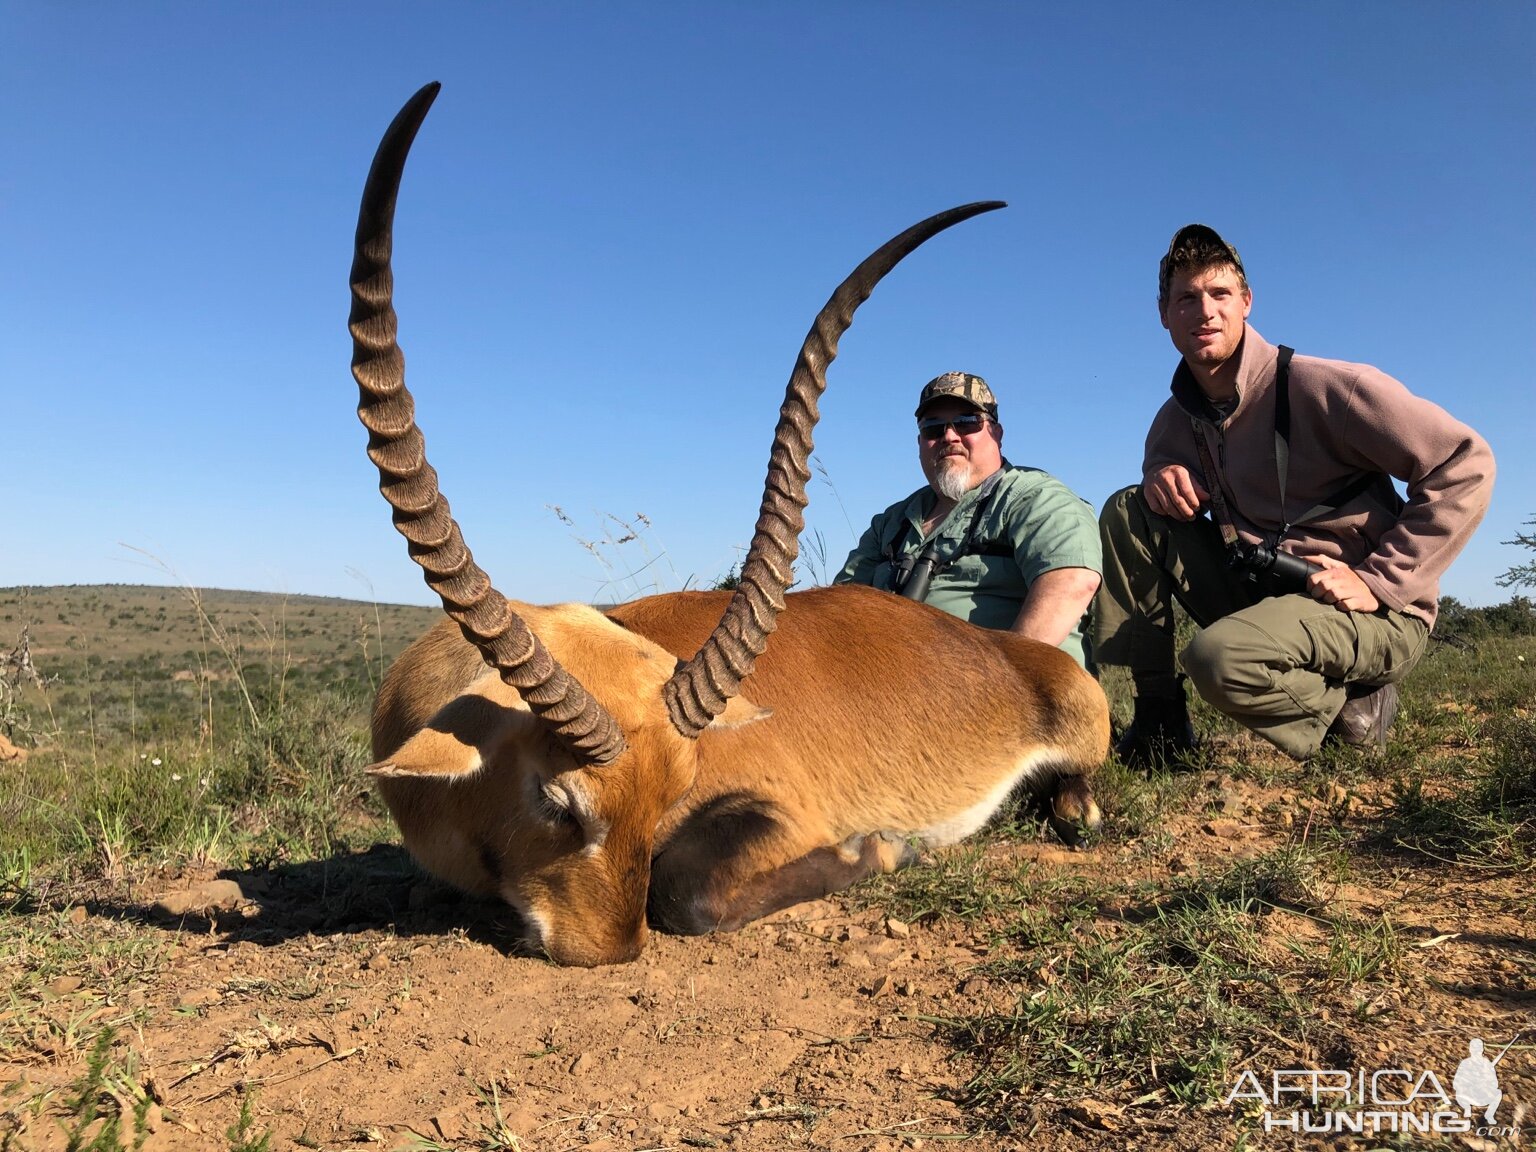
999 545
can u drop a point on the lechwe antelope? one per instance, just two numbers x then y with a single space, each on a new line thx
570 760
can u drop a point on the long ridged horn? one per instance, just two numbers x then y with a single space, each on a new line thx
409 483
700 689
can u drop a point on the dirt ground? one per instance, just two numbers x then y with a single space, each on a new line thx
357 1005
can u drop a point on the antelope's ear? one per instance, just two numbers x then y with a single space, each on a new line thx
430 753
739 711
458 741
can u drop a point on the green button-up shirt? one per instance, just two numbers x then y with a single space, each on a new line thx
1032 524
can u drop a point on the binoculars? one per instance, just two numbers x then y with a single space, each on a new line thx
911 574
1282 572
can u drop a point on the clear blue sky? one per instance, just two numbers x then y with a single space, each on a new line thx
619 220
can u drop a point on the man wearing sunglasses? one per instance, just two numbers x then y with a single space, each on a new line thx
1001 546
1314 583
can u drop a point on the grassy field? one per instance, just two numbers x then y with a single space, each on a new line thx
162 731
173 725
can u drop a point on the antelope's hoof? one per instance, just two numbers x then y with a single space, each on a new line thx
1074 812
880 852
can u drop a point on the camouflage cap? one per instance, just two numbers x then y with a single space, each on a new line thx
962 386
1195 240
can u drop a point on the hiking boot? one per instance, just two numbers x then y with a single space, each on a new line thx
1365 721
1159 733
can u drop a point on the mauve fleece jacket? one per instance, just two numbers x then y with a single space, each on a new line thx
1346 419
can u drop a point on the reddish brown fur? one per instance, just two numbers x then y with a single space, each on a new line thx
887 716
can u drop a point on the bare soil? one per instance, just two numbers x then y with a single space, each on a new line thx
357 1005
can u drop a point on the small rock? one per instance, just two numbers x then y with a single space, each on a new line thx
1063 856
1223 829
77 914
452 1125
220 894
1097 1114
896 929
583 1064
199 998
1229 803
881 983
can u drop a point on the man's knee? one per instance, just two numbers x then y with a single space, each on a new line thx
1120 511
1124 533
1223 662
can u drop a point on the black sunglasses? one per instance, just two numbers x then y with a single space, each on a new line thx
933 427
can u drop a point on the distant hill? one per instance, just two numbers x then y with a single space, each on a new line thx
173 628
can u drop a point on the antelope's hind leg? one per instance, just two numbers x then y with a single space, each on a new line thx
718 872
1073 812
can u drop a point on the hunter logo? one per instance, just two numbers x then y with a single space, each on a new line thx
1381 1100
1476 1084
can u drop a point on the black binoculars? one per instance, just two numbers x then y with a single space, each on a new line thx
1281 571
911 574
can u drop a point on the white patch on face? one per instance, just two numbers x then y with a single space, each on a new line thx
537 922
962 824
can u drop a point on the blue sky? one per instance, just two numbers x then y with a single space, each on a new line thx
619 220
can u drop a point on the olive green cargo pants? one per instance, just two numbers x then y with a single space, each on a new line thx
1278 665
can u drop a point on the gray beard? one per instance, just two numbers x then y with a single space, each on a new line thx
952 478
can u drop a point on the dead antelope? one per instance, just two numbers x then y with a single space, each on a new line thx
571 762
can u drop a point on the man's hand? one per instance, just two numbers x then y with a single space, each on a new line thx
1340 585
1174 492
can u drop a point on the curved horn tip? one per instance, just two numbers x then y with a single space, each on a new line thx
966 211
426 93
415 110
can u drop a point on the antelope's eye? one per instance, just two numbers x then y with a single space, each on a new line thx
555 806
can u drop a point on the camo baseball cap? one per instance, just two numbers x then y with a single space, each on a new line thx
1201 238
962 386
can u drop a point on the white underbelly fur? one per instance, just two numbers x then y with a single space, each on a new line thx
960 825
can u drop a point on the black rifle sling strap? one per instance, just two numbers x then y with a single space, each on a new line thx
1282 463
1283 451
1283 426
